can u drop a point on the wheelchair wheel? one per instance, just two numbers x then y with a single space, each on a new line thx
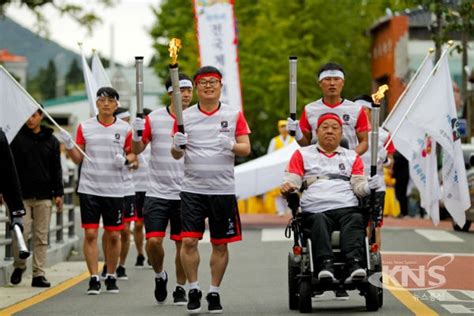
372 298
378 268
293 291
305 295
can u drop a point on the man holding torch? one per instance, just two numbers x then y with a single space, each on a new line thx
355 121
101 187
214 134
162 201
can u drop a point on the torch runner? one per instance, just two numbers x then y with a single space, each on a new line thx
139 81
174 47
292 88
377 99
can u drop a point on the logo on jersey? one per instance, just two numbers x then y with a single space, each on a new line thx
346 117
224 126
342 167
117 136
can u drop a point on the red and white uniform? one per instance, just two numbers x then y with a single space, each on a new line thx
165 172
209 169
326 194
384 138
99 175
354 119
141 176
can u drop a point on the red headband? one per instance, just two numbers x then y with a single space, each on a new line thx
329 116
209 74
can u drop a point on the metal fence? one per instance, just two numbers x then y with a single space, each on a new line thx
64 220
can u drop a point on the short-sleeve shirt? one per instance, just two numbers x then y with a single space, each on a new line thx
99 175
354 119
326 194
209 169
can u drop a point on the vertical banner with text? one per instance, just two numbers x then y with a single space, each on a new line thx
217 40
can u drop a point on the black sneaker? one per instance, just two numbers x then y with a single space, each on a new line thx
103 275
194 301
121 273
214 303
16 276
94 286
326 273
140 263
40 281
341 295
160 289
179 296
111 285
356 271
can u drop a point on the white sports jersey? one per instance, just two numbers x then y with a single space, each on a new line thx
141 176
326 194
352 116
166 173
209 169
100 176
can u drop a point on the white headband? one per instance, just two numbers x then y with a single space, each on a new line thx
364 103
123 115
184 83
331 73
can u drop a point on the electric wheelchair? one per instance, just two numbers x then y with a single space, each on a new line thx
303 283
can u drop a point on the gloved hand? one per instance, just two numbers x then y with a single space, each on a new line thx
373 183
119 161
138 124
180 139
382 156
294 126
66 139
226 142
16 221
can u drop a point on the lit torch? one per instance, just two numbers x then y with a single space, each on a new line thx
174 47
292 88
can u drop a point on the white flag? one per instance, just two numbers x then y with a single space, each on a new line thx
90 85
412 141
435 112
16 105
98 72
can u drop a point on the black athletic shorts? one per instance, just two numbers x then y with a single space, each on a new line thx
139 205
222 213
129 214
157 213
93 207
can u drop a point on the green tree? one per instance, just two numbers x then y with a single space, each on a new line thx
74 74
47 81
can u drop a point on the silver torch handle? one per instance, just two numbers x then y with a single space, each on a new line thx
293 60
139 82
22 249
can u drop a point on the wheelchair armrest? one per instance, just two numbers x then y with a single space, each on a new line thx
293 202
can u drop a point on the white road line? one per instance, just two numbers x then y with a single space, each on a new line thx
420 253
438 235
273 234
457 309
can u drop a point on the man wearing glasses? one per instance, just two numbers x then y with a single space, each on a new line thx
215 134
101 187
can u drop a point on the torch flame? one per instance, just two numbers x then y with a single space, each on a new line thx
174 47
379 95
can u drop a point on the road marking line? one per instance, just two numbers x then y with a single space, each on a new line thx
456 309
273 234
40 297
407 299
438 235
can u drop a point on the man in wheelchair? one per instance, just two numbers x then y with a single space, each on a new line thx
332 179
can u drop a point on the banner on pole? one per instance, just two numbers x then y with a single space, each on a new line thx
15 106
217 40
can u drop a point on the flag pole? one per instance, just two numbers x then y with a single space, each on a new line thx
430 51
40 108
412 104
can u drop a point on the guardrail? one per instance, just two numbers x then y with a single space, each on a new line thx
64 219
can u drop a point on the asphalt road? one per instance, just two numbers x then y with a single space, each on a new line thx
256 279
